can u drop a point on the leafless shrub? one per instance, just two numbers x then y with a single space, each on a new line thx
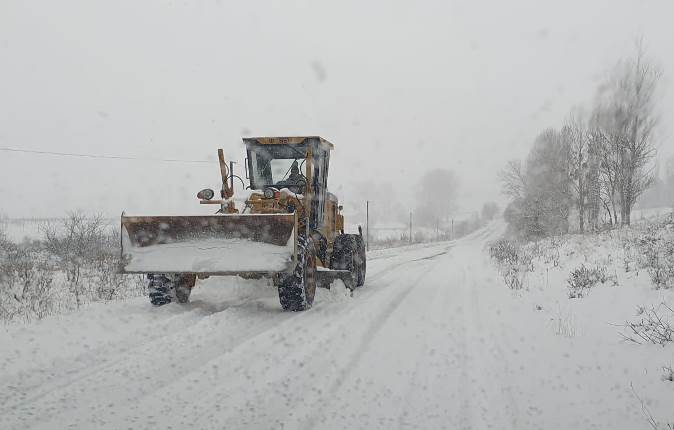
653 327
25 283
564 324
3 235
513 278
667 373
509 253
105 283
655 250
583 278
652 422
75 243
76 263
513 262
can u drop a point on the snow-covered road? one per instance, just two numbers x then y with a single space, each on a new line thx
433 340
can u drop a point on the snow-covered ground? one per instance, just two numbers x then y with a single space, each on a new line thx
434 339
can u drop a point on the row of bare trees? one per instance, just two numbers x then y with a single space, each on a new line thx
599 162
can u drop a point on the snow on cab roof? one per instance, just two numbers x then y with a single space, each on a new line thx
287 140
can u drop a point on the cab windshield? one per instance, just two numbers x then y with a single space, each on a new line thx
279 166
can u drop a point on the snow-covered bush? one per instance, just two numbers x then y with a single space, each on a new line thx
513 261
582 278
655 246
103 279
75 244
551 253
75 264
508 252
25 283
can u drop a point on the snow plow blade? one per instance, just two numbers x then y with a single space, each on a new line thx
232 244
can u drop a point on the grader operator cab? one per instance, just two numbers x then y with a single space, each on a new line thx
289 229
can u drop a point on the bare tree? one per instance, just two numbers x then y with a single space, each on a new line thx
627 116
513 180
607 151
548 180
576 135
540 190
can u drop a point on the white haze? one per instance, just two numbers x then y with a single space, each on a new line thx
399 87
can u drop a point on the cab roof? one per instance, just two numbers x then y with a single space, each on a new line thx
288 140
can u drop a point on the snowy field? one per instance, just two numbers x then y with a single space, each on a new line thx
434 339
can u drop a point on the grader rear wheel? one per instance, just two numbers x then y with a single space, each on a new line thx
361 260
346 255
183 287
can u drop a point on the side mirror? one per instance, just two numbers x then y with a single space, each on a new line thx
205 194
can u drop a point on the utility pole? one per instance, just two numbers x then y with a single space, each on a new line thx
367 224
452 228
410 227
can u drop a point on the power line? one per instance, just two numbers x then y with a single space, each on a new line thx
108 157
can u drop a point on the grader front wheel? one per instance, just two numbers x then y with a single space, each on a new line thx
296 290
165 288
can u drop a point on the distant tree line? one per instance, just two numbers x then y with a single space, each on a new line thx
597 166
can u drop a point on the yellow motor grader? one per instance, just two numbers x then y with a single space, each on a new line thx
288 228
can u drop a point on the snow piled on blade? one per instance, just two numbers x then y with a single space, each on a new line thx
210 256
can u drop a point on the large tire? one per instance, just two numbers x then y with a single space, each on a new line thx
361 260
296 291
165 288
344 257
183 287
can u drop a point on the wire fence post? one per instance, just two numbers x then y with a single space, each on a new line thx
410 227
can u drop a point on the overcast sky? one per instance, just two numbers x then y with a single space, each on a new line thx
398 87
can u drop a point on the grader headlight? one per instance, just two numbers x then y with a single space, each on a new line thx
270 193
205 194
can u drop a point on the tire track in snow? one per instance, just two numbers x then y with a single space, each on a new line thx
247 336
140 355
91 362
363 345
511 409
487 403
92 377
317 352
436 304
466 409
